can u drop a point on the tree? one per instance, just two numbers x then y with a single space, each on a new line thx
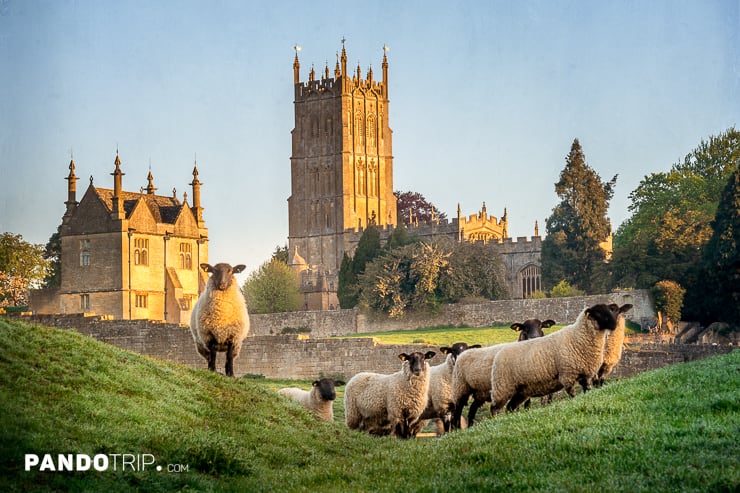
272 288
53 254
413 206
578 225
351 268
22 266
281 254
715 296
668 297
672 215
476 271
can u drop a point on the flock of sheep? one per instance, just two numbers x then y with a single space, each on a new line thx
403 403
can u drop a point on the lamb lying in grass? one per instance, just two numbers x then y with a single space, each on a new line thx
319 399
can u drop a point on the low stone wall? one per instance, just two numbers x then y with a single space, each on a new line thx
303 357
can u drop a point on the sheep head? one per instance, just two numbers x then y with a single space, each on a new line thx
326 388
417 361
457 348
222 274
603 316
532 328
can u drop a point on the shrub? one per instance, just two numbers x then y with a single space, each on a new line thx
668 298
564 289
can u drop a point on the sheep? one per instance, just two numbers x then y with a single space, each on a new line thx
532 328
472 376
547 364
219 321
472 372
613 347
319 399
439 401
389 404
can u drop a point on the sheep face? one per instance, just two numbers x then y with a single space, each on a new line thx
222 275
326 388
457 348
416 361
532 328
620 310
603 315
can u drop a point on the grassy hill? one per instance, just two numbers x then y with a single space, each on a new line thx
675 429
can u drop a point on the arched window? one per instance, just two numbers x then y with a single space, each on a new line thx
531 280
137 257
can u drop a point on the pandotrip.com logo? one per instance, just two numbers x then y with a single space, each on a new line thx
98 462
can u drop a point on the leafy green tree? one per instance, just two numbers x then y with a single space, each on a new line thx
476 271
53 254
668 297
671 217
281 254
272 288
715 296
22 266
578 225
563 289
351 268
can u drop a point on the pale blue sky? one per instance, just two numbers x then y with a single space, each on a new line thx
486 99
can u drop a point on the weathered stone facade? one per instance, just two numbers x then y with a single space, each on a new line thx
129 255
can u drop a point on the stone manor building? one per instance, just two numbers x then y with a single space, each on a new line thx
342 180
130 255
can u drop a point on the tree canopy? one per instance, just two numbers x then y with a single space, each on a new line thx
578 225
413 206
22 266
272 288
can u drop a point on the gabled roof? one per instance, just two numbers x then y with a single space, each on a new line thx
164 209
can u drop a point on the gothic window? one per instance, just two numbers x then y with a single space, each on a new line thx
84 302
359 130
371 132
531 280
141 251
85 253
186 261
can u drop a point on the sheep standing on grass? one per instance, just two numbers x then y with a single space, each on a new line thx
389 404
472 372
613 347
547 364
439 400
319 399
219 321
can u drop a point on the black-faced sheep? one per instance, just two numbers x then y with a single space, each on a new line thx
319 399
439 399
613 347
544 365
219 321
532 328
389 404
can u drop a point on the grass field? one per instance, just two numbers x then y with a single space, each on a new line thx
674 429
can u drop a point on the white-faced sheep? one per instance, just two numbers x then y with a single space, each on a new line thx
613 347
472 372
389 404
544 365
439 399
219 321
319 399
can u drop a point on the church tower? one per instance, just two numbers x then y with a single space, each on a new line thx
341 167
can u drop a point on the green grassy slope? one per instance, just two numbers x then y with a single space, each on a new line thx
676 429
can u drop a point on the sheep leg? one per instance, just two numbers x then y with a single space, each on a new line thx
515 401
212 355
457 410
230 359
585 382
473 409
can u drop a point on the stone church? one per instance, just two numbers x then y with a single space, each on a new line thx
130 255
342 180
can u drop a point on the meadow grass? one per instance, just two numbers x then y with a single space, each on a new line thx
674 429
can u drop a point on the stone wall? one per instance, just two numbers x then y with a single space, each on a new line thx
486 314
302 357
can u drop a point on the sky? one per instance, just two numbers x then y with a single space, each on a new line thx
486 99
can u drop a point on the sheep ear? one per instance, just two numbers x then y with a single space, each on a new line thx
315 383
206 267
516 326
625 308
548 323
474 346
445 349
403 356
238 268
429 354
